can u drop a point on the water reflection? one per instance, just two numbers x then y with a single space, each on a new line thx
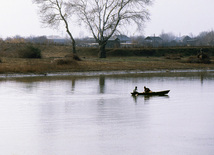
102 84
97 114
147 98
73 85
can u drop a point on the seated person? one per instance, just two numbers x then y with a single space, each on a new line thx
135 90
147 90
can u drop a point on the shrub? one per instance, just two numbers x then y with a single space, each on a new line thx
63 61
73 56
30 52
193 59
173 56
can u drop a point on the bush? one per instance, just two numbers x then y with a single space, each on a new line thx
193 59
30 52
179 51
63 61
73 56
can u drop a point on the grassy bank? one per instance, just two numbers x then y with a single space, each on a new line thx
158 52
53 59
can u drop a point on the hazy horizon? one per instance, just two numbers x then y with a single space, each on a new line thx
180 17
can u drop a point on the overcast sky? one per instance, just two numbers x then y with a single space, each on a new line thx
181 17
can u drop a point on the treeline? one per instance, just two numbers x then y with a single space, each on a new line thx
35 40
205 38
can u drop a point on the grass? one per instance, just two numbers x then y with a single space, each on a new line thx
54 60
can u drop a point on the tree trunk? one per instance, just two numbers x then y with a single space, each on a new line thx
63 17
102 50
74 47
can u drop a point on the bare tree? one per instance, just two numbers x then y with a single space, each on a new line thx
53 12
167 37
206 38
106 17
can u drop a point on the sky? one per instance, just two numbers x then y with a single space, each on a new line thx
180 17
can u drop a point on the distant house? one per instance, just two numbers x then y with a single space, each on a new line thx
186 39
125 41
153 41
116 41
60 41
123 38
113 43
192 42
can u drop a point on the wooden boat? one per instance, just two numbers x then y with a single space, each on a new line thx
159 93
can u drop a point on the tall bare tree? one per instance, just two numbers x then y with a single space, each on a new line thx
53 12
167 37
105 17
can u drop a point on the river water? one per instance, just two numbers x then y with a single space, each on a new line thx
96 115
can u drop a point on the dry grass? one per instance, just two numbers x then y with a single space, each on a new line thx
54 60
18 65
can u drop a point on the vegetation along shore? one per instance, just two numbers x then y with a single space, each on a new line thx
35 58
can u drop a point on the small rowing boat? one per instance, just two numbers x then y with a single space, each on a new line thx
159 93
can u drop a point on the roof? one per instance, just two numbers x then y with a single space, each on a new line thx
123 37
113 39
153 38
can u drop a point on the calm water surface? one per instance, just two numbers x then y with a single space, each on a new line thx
96 115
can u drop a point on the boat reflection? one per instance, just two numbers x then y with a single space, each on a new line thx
147 98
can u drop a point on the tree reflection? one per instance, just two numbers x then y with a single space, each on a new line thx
202 79
102 84
73 84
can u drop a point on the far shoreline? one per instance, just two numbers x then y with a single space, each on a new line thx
58 60
100 73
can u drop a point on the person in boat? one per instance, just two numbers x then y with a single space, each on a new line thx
135 90
147 90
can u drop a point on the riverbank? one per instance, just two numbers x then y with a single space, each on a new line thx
56 59
51 65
